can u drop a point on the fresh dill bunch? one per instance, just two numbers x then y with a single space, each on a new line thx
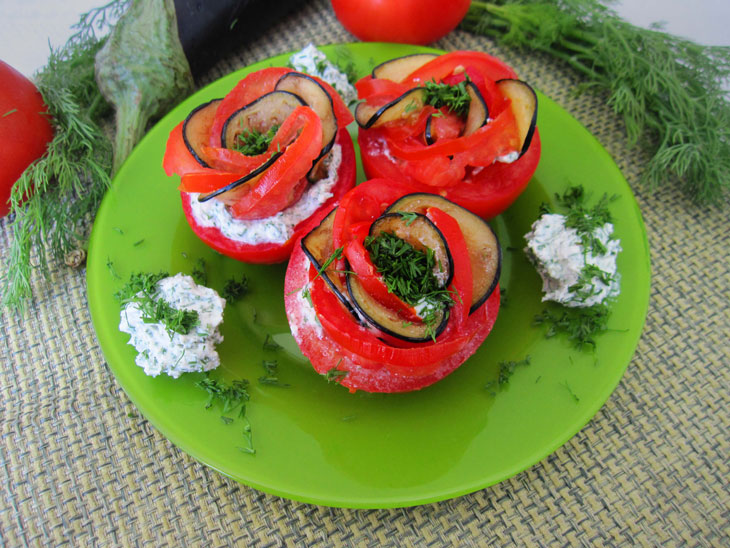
668 89
454 97
65 186
252 142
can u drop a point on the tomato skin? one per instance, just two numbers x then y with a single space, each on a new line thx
403 21
271 253
25 129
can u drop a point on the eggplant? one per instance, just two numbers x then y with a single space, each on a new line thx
524 107
367 116
317 246
196 127
484 249
209 31
422 234
315 96
268 110
478 114
399 68
245 179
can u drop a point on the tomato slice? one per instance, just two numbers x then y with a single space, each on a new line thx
445 65
275 189
373 283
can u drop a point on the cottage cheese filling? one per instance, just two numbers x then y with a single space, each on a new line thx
160 351
561 259
278 228
314 62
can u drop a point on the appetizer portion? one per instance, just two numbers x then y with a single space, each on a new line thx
259 166
172 322
575 253
394 289
459 124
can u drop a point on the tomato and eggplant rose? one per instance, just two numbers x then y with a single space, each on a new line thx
394 289
460 124
251 158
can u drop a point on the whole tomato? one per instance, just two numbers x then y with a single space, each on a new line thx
403 21
25 129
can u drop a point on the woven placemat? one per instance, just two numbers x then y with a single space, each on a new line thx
80 466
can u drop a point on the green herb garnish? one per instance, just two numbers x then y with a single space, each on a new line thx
455 97
199 273
335 375
234 289
252 142
141 289
669 90
579 324
229 396
408 216
506 369
271 378
270 343
409 273
8 113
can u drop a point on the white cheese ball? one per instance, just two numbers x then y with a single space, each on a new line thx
159 350
559 256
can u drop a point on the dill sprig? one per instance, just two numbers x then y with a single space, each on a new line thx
66 184
454 97
252 142
229 396
668 89
234 289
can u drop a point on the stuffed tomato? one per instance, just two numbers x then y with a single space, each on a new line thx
261 166
460 124
394 289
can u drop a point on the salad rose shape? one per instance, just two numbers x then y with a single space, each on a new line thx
394 289
260 166
460 124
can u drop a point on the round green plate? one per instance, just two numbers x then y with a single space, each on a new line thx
314 441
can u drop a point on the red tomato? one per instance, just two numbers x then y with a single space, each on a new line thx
404 21
25 129
376 361
270 253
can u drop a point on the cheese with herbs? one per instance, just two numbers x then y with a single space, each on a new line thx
571 274
312 61
278 228
162 351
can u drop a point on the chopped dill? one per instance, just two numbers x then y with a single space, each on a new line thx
573 395
271 377
579 324
408 216
334 374
252 142
8 113
138 242
112 270
506 370
455 97
234 289
199 273
229 396
270 343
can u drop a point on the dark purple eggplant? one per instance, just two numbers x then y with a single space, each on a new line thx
524 107
397 69
412 100
196 127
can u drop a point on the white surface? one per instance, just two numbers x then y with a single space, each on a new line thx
28 26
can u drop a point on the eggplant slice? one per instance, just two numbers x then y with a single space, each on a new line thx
368 116
484 249
243 180
478 114
317 246
422 234
399 68
388 321
524 107
196 128
265 112
315 96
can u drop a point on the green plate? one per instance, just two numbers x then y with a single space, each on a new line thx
314 441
